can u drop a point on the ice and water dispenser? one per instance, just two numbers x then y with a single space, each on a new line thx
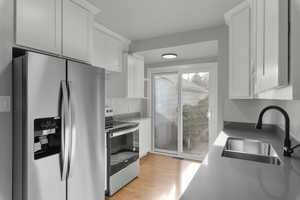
47 137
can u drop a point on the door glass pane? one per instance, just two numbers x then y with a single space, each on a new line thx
195 104
166 107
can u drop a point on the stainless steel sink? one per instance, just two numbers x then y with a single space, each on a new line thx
253 150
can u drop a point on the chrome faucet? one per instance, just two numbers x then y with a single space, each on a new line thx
287 149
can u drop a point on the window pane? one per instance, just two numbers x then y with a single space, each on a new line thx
166 107
195 104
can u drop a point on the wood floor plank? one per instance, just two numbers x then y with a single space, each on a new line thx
161 178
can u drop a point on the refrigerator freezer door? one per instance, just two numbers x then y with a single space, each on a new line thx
86 180
44 75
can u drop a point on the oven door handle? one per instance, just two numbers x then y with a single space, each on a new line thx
123 132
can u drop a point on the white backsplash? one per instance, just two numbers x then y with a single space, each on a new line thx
125 105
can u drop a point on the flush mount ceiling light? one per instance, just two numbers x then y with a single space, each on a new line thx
169 55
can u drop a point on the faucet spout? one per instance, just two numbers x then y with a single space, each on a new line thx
287 150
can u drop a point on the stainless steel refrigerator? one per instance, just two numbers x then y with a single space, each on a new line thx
58 129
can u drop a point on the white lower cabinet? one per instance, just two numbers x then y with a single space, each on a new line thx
144 136
38 24
77 24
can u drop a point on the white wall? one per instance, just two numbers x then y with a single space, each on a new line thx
293 108
125 106
247 110
219 33
6 41
229 110
210 67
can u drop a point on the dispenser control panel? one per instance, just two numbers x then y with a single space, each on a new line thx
47 137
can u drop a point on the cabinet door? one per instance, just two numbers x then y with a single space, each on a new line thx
142 146
130 82
107 51
239 44
139 65
148 134
76 31
38 24
272 44
130 76
145 136
135 77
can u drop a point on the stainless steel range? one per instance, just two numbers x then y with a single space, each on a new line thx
122 152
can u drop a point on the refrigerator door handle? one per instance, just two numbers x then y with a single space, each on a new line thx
65 130
73 130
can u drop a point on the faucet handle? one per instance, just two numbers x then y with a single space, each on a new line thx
287 151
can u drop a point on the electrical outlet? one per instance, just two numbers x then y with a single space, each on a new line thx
4 103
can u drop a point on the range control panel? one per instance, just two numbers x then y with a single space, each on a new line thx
47 137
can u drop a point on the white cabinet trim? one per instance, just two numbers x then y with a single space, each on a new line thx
76 44
234 93
88 6
107 48
236 9
111 33
23 27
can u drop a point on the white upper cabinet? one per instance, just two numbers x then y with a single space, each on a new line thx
135 73
77 24
108 48
61 27
239 22
272 45
130 82
38 24
258 49
129 63
140 78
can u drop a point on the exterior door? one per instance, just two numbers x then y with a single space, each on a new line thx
184 109
165 93
44 76
86 180
195 112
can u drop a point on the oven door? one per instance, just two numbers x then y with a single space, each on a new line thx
124 149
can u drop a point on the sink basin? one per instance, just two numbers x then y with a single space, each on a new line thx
253 150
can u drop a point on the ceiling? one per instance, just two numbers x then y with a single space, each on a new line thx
184 52
141 19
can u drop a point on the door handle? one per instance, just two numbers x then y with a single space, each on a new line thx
65 130
72 144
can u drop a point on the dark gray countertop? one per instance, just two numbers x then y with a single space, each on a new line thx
131 117
222 178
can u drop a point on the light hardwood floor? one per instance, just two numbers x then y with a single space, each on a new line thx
161 178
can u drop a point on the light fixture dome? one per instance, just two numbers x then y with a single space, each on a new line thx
169 55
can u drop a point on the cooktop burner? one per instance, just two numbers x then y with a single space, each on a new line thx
121 125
